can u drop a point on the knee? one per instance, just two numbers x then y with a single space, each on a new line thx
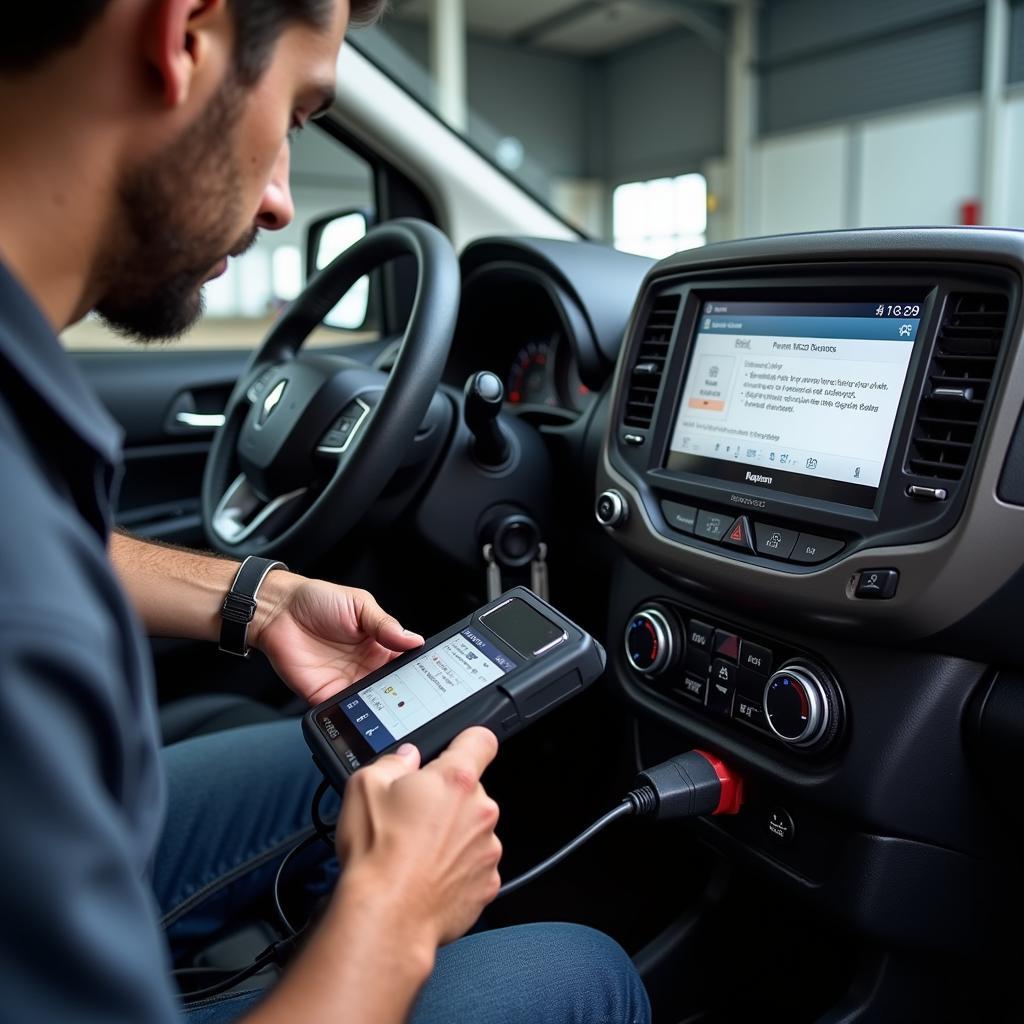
598 979
560 973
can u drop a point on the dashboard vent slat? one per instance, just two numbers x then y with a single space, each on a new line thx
649 364
946 432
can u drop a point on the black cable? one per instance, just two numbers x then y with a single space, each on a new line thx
276 889
267 957
626 807
273 953
324 829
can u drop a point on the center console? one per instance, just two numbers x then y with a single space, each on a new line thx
813 469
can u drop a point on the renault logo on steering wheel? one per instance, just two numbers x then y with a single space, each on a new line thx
271 401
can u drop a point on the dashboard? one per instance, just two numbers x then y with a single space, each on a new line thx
529 318
811 467
515 324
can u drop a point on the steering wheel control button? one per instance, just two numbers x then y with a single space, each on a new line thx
726 645
258 388
756 659
780 825
796 706
342 431
810 549
649 642
749 711
876 584
611 509
739 536
712 525
774 541
679 517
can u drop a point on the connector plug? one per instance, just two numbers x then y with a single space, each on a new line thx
689 785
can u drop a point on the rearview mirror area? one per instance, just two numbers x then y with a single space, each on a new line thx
326 238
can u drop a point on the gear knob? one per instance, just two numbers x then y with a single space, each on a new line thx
485 396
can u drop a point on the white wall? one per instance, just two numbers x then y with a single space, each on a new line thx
918 168
1013 179
913 167
801 182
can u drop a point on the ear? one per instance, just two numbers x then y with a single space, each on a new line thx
177 41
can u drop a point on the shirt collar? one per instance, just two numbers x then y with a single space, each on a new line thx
30 346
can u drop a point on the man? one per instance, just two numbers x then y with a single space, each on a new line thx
144 141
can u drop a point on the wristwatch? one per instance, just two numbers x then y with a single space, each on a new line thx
240 603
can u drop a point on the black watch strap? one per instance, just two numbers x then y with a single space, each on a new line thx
240 603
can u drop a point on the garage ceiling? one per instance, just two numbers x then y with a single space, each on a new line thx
585 28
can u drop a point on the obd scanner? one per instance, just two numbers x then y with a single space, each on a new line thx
503 667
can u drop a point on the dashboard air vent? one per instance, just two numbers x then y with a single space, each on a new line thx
649 367
956 391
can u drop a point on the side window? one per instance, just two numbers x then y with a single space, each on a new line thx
240 306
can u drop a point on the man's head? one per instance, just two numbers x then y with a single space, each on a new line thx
215 87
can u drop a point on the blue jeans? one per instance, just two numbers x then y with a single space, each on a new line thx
239 800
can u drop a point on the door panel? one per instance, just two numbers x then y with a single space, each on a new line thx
164 456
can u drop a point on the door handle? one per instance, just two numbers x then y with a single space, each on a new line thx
199 420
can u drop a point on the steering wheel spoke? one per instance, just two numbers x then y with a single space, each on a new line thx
243 510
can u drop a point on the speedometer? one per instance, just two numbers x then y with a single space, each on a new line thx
531 378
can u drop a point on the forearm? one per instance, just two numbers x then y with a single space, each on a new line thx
178 592
364 964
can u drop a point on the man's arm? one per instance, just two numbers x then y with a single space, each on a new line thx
320 637
174 591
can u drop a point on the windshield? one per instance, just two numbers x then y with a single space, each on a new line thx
660 125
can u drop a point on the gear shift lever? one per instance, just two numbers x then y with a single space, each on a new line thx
484 397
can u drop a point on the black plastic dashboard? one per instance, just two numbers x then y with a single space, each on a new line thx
547 316
835 637
938 504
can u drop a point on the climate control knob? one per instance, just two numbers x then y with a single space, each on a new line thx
650 641
797 705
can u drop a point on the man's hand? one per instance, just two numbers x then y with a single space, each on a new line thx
321 637
421 862
423 839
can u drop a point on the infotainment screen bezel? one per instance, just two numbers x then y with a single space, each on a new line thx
895 516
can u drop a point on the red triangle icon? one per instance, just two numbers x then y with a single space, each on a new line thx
737 533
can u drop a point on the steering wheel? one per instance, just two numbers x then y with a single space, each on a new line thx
310 440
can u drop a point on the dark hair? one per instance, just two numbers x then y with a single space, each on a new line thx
34 32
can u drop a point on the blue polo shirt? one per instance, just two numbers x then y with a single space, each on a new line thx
81 792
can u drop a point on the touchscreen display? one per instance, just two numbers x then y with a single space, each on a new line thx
795 397
426 687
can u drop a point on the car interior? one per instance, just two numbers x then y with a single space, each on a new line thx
780 479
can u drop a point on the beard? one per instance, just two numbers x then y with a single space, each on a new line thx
178 212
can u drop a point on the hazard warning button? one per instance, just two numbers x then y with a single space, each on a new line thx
739 535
